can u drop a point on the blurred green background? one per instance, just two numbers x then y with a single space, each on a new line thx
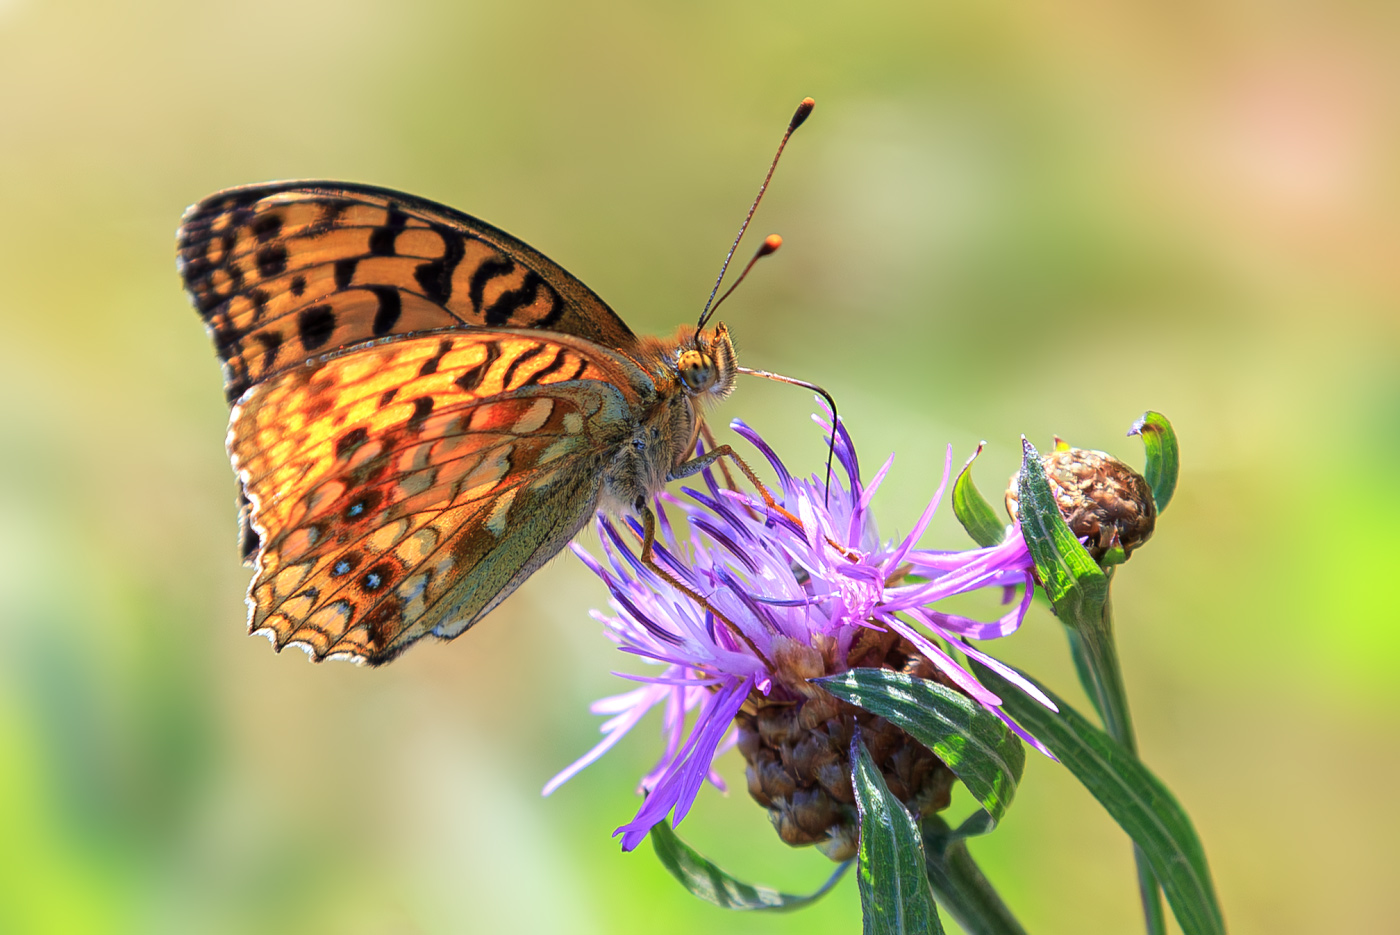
1004 217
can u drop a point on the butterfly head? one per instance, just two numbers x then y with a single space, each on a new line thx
705 362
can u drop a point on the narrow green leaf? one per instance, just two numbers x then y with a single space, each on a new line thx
1129 792
972 509
976 744
1149 894
1163 456
960 885
1072 579
895 897
702 878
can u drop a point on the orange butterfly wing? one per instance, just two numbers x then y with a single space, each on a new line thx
285 271
407 487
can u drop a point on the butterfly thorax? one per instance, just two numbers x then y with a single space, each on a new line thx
690 371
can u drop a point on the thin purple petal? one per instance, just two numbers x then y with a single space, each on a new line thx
893 561
753 438
945 662
1003 626
618 731
1024 734
680 783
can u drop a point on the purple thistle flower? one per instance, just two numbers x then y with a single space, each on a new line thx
801 593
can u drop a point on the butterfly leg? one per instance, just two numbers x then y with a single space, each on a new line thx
648 558
700 462
710 442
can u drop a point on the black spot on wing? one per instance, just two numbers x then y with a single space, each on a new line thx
377 577
345 564
298 285
435 276
259 299
431 364
271 260
363 506
345 271
271 342
228 342
390 307
347 443
381 239
422 408
330 216
508 303
267 227
488 270
316 325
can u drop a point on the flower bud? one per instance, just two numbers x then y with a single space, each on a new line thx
1106 504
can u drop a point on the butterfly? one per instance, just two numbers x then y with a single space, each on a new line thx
425 409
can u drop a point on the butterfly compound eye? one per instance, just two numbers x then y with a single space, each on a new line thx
696 370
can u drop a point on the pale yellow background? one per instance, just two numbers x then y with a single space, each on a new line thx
1004 217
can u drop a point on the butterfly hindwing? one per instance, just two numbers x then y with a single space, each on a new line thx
409 486
287 271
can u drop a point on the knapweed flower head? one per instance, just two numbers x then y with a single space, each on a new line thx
793 594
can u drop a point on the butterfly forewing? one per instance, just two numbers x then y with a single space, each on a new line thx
409 486
290 270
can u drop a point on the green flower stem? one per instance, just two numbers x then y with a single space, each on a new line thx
1096 659
1078 590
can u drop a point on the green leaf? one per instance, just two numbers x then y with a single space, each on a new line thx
959 883
702 878
976 744
1129 792
1072 579
894 892
973 510
1149 894
1163 456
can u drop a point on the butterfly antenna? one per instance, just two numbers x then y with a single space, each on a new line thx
803 111
771 243
830 401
